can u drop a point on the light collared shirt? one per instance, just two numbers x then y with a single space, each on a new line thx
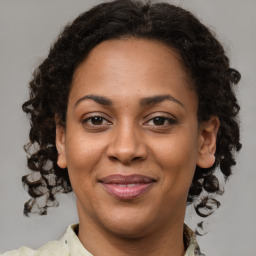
70 245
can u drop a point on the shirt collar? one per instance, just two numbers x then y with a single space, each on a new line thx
191 245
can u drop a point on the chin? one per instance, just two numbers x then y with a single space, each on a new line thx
128 224
129 230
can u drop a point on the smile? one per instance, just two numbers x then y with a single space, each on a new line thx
127 187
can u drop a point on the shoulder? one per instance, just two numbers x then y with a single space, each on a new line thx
68 245
52 248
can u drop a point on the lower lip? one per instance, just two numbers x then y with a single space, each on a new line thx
127 193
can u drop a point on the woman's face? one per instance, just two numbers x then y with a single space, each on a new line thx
132 140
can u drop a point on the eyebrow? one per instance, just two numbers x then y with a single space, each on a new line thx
99 99
158 99
143 102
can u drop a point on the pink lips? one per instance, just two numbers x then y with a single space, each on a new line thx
127 187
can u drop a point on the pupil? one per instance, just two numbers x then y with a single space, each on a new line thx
97 120
159 121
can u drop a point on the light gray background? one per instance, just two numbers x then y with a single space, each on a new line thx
27 29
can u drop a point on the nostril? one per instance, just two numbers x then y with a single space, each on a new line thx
132 159
136 158
113 158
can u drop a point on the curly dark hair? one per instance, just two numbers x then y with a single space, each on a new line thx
204 60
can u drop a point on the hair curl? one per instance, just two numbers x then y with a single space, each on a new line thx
205 62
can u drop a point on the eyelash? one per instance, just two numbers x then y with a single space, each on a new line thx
103 119
171 121
105 122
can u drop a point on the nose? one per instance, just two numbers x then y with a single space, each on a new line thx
127 145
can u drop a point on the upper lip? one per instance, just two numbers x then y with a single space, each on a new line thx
126 179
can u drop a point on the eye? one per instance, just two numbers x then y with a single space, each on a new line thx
161 121
95 121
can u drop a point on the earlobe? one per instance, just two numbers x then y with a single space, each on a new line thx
207 142
60 145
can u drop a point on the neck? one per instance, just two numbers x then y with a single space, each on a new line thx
165 242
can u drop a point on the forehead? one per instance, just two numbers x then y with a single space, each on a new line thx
132 54
131 67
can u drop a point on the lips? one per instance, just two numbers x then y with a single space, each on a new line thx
127 187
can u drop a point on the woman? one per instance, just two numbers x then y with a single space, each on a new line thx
133 110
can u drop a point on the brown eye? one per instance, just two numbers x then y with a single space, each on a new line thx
159 120
97 120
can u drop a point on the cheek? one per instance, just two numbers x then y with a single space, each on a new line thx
177 158
82 155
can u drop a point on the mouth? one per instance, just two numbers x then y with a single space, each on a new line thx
127 187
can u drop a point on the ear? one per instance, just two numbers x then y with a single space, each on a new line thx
60 143
207 142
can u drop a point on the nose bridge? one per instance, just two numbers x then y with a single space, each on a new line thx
127 144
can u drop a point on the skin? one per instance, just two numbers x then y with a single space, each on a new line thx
130 139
